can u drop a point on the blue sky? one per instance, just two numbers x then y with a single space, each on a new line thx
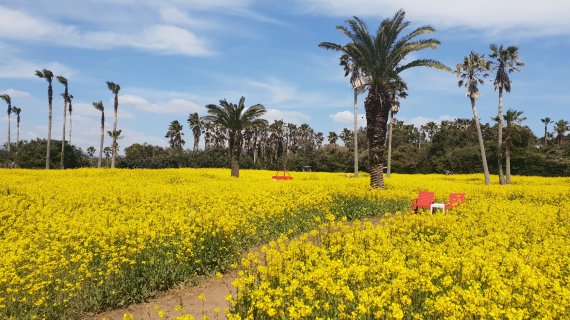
172 57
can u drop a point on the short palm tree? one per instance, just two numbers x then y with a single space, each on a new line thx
546 122
235 119
48 75
107 151
99 106
115 88
17 111
505 61
65 95
380 59
561 127
513 120
195 124
175 135
115 135
472 72
91 153
70 109
332 137
6 97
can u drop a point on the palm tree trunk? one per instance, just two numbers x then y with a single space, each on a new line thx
101 145
508 162
196 142
481 143
114 157
389 169
70 125
9 116
62 156
377 110
50 96
545 133
355 134
17 133
500 138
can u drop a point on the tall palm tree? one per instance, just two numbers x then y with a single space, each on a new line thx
472 72
175 135
561 127
546 122
70 109
196 125
505 62
99 106
393 110
358 83
65 94
380 58
115 88
6 97
235 119
48 75
513 120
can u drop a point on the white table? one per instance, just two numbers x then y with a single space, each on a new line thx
434 206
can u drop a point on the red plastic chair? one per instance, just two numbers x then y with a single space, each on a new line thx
284 176
424 200
455 200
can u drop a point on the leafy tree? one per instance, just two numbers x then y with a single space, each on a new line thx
381 57
175 135
30 154
65 96
472 72
99 106
48 75
235 120
505 61
196 126
8 101
114 88
333 137
91 153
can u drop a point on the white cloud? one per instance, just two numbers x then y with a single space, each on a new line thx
347 117
526 17
295 117
176 105
13 93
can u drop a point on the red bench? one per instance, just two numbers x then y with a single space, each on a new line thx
424 200
285 175
455 200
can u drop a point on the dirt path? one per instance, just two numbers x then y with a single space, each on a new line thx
215 291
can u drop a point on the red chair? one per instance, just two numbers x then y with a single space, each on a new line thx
455 200
424 200
284 176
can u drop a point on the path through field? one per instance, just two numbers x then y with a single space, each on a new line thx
214 289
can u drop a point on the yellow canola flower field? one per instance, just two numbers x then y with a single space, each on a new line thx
79 241
504 254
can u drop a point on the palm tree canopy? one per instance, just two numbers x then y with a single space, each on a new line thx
46 74
472 72
17 110
506 61
233 117
115 88
380 58
513 117
546 121
99 106
62 80
561 126
6 97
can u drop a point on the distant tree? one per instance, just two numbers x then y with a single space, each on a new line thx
115 135
505 61
8 101
546 122
195 125
381 57
115 88
346 135
561 127
30 154
175 135
99 106
65 96
70 109
17 111
235 120
107 151
48 75
91 153
472 72
513 120
333 137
